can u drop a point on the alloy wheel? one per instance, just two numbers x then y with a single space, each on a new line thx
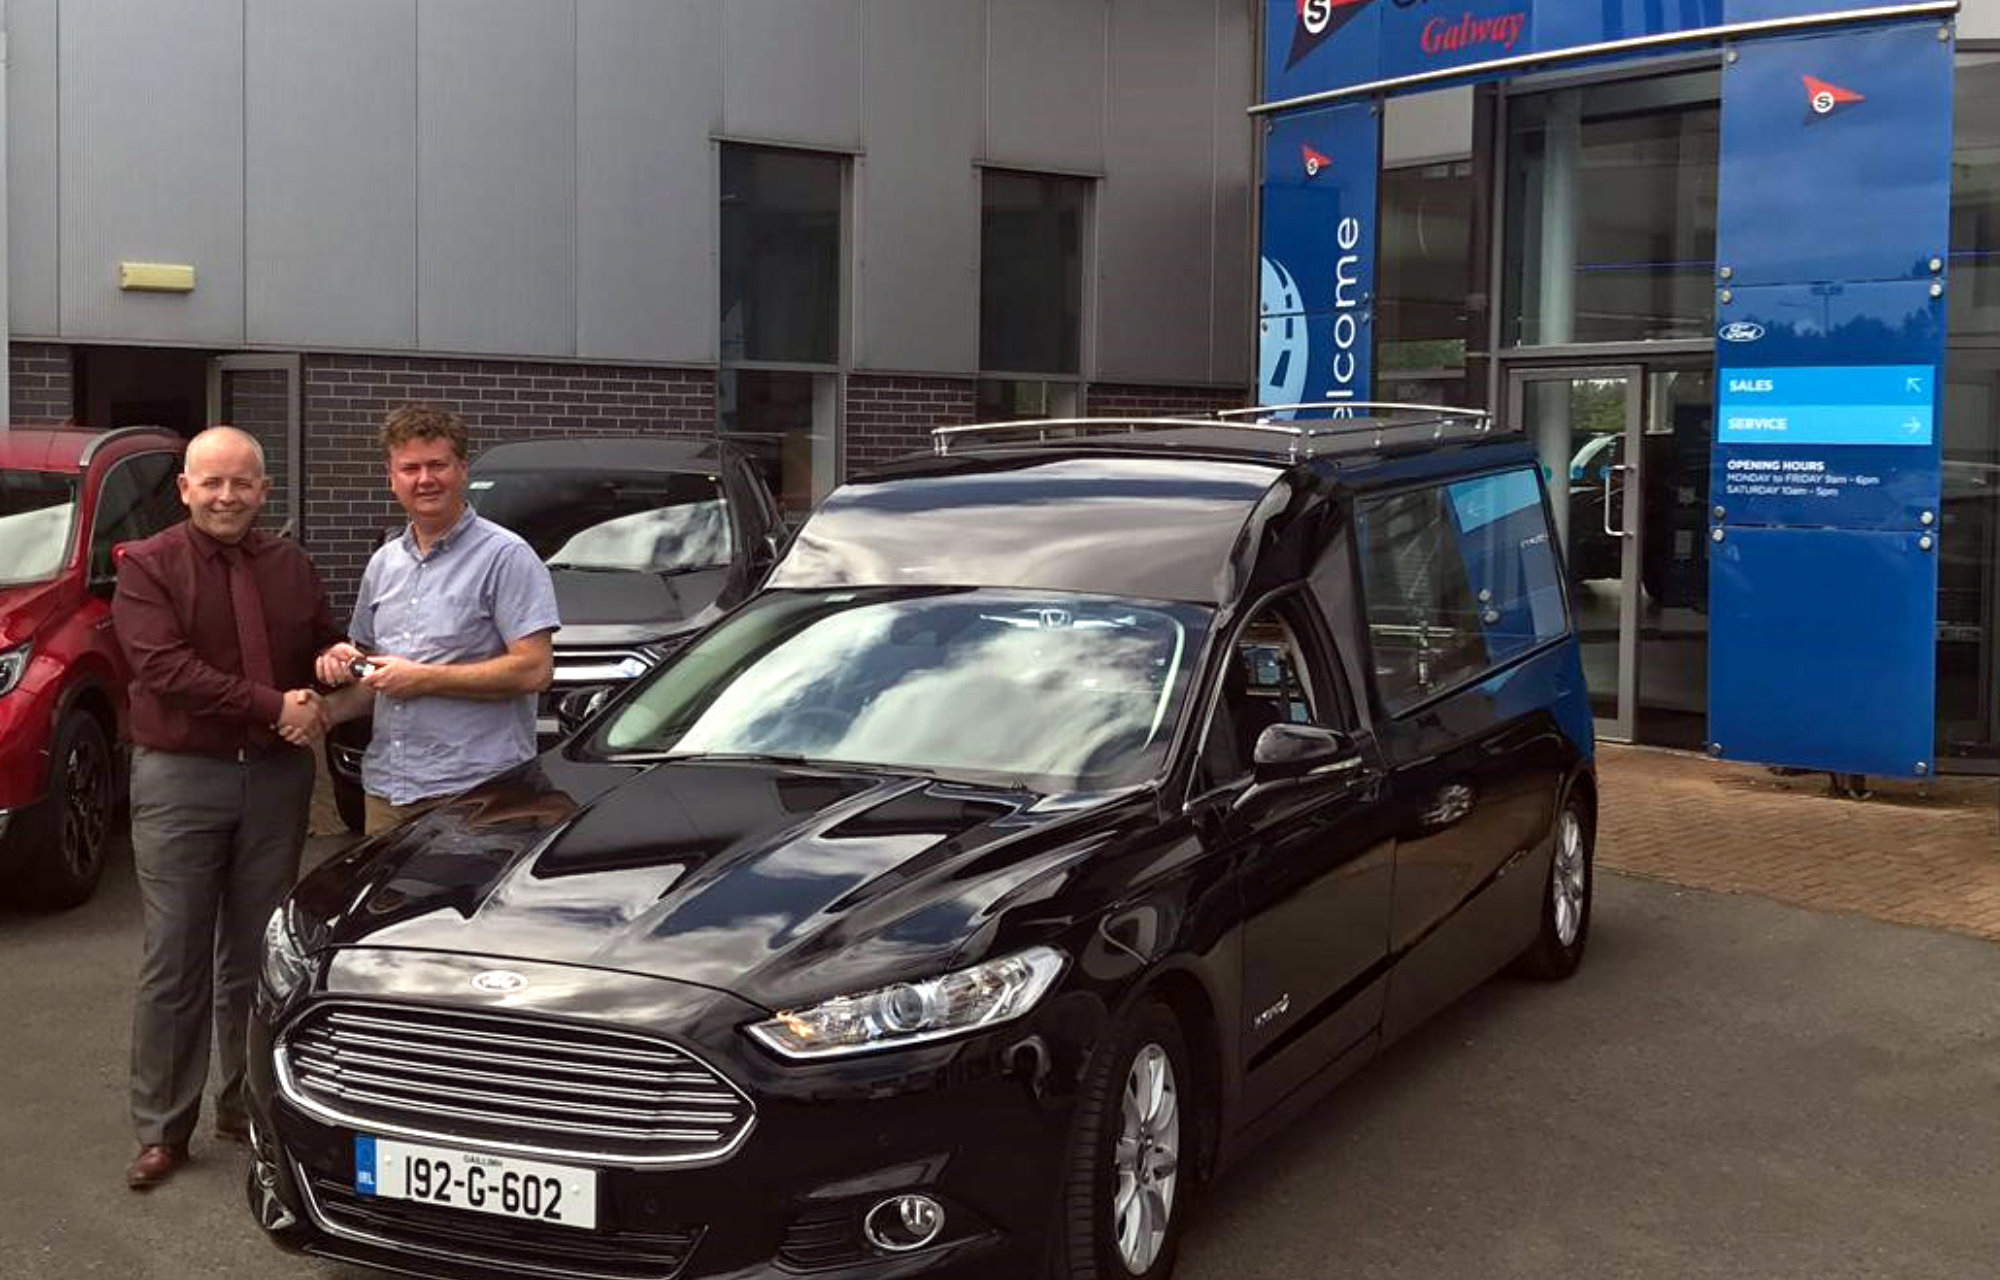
86 806
1570 882
1147 1159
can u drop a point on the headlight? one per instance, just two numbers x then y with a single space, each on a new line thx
913 1012
13 665
285 966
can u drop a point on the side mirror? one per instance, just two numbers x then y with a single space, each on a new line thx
577 706
1296 750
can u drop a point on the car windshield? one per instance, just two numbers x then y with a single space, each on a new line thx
1059 692
37 513
631 521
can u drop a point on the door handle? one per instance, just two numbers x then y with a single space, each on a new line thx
1616 466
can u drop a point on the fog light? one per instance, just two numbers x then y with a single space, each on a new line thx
902 1223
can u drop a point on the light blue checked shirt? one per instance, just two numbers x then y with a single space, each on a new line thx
478 590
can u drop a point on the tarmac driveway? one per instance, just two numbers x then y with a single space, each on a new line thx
1730 1088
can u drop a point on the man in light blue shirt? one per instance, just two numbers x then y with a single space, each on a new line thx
454 618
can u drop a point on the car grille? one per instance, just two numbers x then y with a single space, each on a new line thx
518 1247
557 1088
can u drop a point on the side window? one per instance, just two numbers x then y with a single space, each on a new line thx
137 499
1458 579
1271 677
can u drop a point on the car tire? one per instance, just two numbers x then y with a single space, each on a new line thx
61 847
1132 1163
349 800
1565 899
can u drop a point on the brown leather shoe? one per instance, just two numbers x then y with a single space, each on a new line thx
154 1164
232 1126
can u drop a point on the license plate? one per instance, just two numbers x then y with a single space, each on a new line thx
503 1186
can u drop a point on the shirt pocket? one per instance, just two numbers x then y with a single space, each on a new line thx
461 626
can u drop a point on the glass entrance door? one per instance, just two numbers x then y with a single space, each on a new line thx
1625 450
1586 426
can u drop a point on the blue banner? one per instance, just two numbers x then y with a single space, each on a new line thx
1318 46
1316 300
1833 209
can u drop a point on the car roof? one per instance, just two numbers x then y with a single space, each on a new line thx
688 454
70 448
1151 509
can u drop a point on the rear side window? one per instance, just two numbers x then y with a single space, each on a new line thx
1459 578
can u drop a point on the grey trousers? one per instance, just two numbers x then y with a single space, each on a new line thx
216 844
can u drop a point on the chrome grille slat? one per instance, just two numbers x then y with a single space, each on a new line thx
682 1076
341 1076
450 1035
511 1082
528 1122
342 1057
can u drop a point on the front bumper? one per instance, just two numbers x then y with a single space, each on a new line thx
969 1123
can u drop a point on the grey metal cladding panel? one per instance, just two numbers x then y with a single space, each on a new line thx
1234 183
918 221
151 153
31 167
1979 20
496 195
1427 126
330 226
1156 250
791 71
1045 69
649 97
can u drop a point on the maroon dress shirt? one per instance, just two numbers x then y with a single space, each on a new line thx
178 631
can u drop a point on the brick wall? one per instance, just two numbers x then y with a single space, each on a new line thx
256 401
347 499
891 417
39 382
1108 400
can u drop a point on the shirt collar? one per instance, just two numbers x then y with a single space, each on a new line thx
444 543
210 548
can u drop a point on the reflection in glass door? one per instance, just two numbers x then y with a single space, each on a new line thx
1585 426
1673 557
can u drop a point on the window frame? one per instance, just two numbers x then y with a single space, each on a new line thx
1323 679
1379 703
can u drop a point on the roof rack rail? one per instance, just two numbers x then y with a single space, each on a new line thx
1290 439
1353 409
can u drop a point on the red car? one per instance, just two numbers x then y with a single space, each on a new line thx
67 497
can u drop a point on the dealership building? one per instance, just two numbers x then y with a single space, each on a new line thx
817 227
1731 265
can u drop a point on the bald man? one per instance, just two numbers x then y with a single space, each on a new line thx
219 622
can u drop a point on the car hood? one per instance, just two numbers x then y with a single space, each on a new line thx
25 610
780 884
628 607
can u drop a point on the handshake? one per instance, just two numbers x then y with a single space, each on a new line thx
303 720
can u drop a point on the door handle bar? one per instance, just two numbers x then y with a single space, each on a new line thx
1616 466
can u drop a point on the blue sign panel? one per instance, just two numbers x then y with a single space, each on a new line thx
1832 212
1836 157
1841 404
1318 46
1317 295
1823 649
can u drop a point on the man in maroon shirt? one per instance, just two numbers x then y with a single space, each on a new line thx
220 623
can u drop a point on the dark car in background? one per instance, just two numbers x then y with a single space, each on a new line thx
68 498
1063 816
648 540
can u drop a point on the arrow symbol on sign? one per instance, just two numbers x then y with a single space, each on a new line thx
1913 384
1912 426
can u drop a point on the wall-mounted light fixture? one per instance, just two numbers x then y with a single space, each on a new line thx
156 277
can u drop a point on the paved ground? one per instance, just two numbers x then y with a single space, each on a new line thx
1731 1087
1925 854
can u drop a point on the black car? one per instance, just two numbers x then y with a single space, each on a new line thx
648 539
1062 816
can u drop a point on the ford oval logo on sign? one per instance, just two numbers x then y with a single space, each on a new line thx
1740 331
498 982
